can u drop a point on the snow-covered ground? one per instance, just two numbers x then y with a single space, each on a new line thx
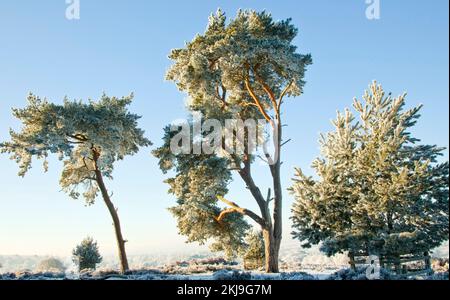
295 264
292 259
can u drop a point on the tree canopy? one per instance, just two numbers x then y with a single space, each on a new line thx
239 69
72 131
198 181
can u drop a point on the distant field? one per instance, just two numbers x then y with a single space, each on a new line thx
293 259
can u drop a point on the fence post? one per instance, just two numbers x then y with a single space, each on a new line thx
397 265
428 262
351 257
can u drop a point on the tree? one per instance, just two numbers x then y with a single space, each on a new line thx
199 179
378 191
86 254
88 137
51 265
254 256
242 70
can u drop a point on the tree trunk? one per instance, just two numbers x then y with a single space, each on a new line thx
428 263
271 247
271 227
277 210
274 234
116 222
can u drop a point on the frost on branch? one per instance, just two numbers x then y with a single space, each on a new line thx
78 133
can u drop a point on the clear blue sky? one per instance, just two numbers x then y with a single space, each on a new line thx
120 47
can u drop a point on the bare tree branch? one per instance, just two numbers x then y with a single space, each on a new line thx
284 143
283 93
268 90
237 208
255 98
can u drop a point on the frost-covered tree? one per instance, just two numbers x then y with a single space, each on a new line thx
86 255
377 189
51 265
88 137
199 179
254 255
242 69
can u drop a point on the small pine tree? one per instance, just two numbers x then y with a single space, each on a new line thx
86 255
51 265
254 257
378 190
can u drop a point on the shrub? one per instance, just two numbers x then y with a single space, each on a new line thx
86 255
51 265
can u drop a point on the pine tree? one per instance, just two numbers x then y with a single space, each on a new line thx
86 255
239 70
254 255
377 189
199 179
88 137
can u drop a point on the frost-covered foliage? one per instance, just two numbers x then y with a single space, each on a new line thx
209 269
359 274
254 254
51 265
214 68
283 276
378 190
439 276
231 275
442 251
88 137
28 275
74 131
199 266
86 255
241 69
297 276
440 265
199 180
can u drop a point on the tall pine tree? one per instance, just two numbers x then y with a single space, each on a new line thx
242 69
88 137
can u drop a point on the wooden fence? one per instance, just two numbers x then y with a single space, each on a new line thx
402 266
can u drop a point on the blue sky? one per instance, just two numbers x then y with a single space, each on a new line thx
120 47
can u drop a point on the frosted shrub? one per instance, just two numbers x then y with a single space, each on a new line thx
86 255
51 265
231 275
254 256
358 274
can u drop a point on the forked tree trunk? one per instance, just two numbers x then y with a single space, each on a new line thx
271 225
273 233
112 210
